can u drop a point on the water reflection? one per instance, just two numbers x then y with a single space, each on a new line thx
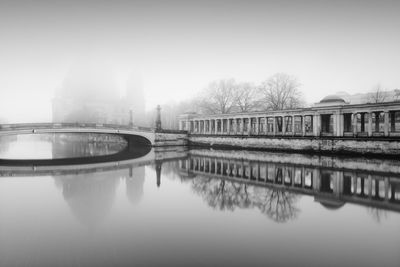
85 145
233 207
228 195
90 198
134 184
273 183
62 145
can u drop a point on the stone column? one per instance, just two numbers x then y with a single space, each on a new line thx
228 126
274 125
340 125
257 125
316 124
369 124
293 131
303 125
283 125
335 124
354 124
386 123
266 125
241 125
249 126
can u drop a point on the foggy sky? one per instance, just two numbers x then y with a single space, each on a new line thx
180 46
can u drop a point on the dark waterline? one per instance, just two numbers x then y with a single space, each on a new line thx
208 207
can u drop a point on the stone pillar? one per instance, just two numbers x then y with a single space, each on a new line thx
274 125
293 131
303 125
283 125
369 124
228 126
386 123
241 125
315 125
340 125
354 124
335 124
266 125
257 125
249 125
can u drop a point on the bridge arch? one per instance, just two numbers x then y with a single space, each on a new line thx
145 136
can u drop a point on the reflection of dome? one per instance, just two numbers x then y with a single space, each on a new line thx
331 204
89 196
332 98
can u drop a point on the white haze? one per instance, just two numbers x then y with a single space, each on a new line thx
178 47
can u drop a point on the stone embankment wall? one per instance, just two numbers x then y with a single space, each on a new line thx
170 139
326 145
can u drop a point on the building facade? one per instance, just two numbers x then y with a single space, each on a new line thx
332 116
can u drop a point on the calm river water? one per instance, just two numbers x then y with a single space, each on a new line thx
196 208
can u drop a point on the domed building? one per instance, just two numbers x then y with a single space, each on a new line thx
89 94
331 100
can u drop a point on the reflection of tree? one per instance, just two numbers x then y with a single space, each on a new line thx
221 194
278 205
86 145
228 195
377 214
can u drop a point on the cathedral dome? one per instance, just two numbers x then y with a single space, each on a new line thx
331 99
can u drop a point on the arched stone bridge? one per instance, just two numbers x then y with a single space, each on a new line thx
148 135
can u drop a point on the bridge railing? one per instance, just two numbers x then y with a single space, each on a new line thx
21 126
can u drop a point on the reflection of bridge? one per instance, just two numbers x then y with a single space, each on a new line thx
330 186
47 167
143 135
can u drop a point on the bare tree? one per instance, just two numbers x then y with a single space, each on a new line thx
396 94
218 97
246 96
281 91
378 95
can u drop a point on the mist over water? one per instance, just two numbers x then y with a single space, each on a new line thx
207 208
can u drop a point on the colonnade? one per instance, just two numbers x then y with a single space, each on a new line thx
307 180
354 120
286 125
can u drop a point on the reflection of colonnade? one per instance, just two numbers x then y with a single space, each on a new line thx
330 117
329 186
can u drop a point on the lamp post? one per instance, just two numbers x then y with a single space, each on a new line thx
158 118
